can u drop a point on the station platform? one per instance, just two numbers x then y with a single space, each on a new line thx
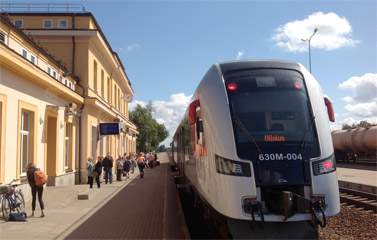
147 208
358 179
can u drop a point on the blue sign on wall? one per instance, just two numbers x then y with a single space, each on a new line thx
109 128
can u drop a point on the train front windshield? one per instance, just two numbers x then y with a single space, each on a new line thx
273 122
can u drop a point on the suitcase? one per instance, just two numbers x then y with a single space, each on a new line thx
157 163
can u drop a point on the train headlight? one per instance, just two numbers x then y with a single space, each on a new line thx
324 166
231 167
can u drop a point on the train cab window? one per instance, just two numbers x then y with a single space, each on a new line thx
272 108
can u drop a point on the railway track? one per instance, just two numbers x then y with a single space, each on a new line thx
365 200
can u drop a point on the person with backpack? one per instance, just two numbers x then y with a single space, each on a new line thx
126 168
90 171
108 163
141 164
35 189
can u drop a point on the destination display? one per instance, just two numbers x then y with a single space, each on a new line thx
109 129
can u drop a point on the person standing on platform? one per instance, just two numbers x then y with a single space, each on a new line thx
98 169
140 164
89 171
133 161
126 168
35 189
119 168
155 158
108 163
150 160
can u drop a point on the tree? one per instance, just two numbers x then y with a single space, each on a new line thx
363 124
162 148
148 128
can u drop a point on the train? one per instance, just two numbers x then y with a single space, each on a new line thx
255 146
358 145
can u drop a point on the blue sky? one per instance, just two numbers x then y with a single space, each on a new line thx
167 47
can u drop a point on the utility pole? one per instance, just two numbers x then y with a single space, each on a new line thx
304 40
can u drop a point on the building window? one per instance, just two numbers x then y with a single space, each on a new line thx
25 141
63 24
32 58
48 70
2 37
95 75
94 142
102 83
115 96
68 140
118 107
54 75
101 146
107 144
108 90
24 53
19 23
47 24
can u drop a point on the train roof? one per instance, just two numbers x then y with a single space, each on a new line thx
249 64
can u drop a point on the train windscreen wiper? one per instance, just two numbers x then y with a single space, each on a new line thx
250 139
306 135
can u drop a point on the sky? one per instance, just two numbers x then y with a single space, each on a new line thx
168 46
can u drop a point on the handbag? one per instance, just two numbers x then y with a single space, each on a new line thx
93 174
17 217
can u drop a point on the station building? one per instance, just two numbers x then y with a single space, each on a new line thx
59 81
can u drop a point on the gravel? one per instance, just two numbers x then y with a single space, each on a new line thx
350 223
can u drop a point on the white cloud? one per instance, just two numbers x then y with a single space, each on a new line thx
350 121
362 109
169 113
134 103
240 54
364 101
333 32
364 87
133 47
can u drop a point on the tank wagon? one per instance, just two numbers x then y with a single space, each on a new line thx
255 146
356 145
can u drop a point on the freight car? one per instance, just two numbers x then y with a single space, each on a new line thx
358 145
255 146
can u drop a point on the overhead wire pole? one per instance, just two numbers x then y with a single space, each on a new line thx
310 58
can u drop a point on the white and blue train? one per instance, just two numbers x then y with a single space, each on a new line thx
255 145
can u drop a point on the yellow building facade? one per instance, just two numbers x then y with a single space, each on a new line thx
60 80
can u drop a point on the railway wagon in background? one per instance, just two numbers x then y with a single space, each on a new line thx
357 145
255 146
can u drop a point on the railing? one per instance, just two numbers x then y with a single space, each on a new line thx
41 8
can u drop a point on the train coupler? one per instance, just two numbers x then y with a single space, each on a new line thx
255 208
316 207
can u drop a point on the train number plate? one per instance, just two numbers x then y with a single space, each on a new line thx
280 156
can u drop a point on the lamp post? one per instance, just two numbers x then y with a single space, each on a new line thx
304 40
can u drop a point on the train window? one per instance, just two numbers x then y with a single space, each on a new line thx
272 107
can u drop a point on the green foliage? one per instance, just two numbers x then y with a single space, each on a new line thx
149 128
162 148
363 124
